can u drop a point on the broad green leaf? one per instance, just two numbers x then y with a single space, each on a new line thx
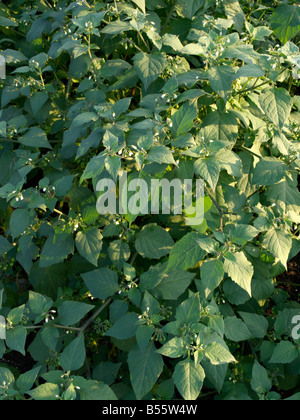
153 242
269 171
145 368
56 249
71 312
240 270
241 234
16 338
209 170
183 119
235 12
277 105
187 252
94 168
190 8
26 380
97 391
221 78
141 4
285 22
163 284
285 352
116 27
149 67
73 356
218 355
189 379
220 126
161 154
45 392
260 382
279 243
212 274
35 137
256 324
188 312
143 335
285 195
102 283
19 221
5 246
236 330
89 245
174 348
125 327
119 253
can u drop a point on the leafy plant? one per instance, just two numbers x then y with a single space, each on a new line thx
145 306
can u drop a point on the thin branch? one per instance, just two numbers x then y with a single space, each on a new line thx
61 327
89 321
169 17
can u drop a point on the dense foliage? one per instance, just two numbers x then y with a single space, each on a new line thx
132 307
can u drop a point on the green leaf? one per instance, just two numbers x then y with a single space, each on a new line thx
161 154
141 4
188 378
218 355
97 391
71 312
285 22
235 12
174 348
189 311
5 246
285 352
240 270
145 368
183 119
256 324
277 105
124 328
260 382
119 253
16 338
19 221
241 234
153 242
269 171
236 330
208 169
221 78
89 245
102 283
212 274
26 380
73 356
45 392
219 126
279 243
187 252
149 67
190 8
94 168
56 249
35 137
116 27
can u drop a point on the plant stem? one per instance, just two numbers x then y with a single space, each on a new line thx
169 17
89 321
61 327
